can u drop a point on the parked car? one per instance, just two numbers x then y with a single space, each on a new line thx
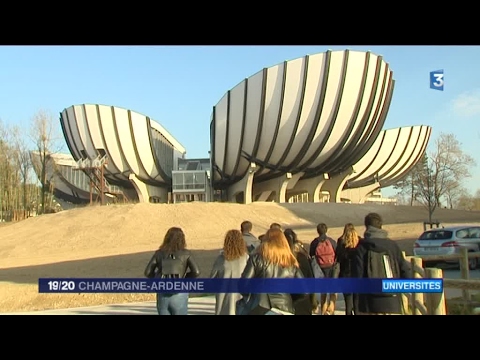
448 241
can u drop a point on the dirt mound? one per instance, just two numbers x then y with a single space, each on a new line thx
124 228
120 229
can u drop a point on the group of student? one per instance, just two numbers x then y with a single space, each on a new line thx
279 254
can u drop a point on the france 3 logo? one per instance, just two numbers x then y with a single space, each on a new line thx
437 80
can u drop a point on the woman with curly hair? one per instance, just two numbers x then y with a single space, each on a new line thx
229 265
172 260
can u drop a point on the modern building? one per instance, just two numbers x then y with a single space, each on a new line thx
191 181
299 126
68 185
71 185
135 151
308 129
391 157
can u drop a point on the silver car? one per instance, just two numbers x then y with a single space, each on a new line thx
447 241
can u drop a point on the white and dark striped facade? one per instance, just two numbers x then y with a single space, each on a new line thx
299 126
68 185
140 153
389 160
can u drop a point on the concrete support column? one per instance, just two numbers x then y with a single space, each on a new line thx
245 185
145 191
312 187
359 195
335 184
278 185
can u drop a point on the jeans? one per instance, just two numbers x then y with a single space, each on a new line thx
172 304
351 304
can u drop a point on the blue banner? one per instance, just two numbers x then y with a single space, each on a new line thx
242 286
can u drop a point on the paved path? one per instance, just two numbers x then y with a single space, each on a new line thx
196 306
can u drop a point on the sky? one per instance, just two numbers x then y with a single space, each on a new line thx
178 86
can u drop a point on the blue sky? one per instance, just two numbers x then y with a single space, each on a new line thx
178 85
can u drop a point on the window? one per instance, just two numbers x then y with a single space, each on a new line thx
199 180
474 233
436 235
188 181
178 182
462 234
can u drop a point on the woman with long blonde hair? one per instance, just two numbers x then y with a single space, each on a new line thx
229 265
346 246
272 259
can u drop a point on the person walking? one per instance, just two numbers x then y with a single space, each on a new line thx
272 259
308 304
229 265
346 247
251 240
377 256
323 249
172 261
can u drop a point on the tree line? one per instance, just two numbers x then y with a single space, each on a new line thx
438 179
25 186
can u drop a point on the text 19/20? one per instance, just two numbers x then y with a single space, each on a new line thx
61 285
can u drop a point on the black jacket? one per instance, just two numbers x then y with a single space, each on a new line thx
190 267
377 240
306 305
344 257
257 267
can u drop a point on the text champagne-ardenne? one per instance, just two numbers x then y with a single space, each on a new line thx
412 286
154 286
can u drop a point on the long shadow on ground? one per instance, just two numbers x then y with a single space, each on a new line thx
118 266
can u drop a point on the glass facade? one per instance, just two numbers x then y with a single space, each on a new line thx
81 180
76 177
189 181
194 164
163 150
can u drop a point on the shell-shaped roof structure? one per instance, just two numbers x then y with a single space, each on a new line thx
315 114
391 157
133 143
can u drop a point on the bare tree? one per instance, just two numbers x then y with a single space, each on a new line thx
469 202
45 137
439 175
7 172
425 185
3 173
453 191
408 185
449 165
23 163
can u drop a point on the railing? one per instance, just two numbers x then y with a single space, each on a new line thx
435 304
94 171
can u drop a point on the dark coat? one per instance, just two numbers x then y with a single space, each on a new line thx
377 240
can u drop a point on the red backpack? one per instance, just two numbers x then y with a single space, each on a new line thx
325 253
